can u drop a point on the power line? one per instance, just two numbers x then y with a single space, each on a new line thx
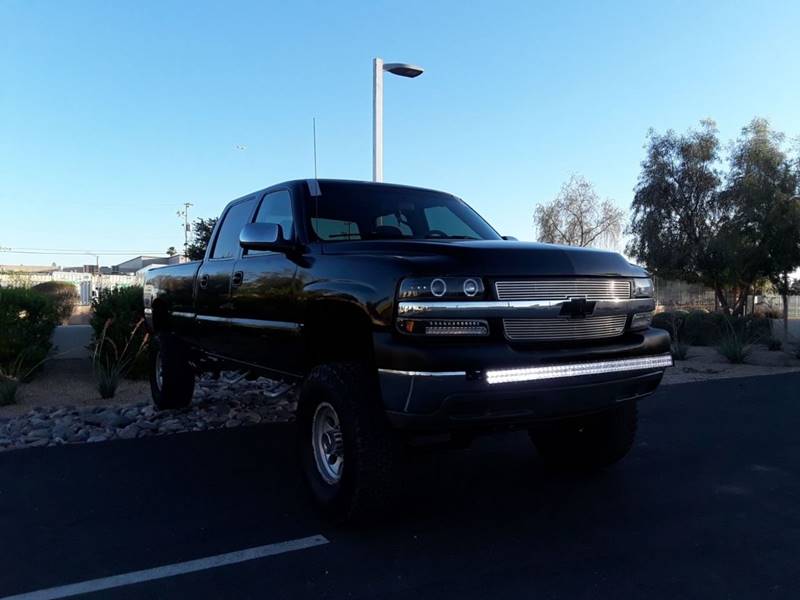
77 252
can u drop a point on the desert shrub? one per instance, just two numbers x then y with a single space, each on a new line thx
115 314
112 362
734 343
63 294
672 321
680 351
27 320
774 344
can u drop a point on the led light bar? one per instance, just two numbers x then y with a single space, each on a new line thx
435 327
452 327
578 369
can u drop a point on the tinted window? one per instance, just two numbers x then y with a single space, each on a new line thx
347 211
334 229
442 218
276 207
227 244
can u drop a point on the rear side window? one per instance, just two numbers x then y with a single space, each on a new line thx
334 229
227 244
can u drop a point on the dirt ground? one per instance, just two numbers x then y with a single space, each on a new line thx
70 382
704 363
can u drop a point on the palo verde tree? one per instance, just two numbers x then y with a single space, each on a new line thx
577 217
201 232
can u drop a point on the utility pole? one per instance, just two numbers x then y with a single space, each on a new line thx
185 214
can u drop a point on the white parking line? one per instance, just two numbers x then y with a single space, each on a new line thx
201 564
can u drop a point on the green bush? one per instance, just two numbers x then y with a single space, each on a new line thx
774 344
27 320
117 312
700 328
63 293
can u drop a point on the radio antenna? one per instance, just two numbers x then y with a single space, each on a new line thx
314 126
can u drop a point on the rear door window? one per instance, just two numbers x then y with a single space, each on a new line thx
227 243
335 230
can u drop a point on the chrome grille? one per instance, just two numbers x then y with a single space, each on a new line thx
558 289
564 329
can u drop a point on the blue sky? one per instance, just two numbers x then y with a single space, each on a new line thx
112 114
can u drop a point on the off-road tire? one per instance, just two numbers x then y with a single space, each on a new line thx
589 442
176 387
370 447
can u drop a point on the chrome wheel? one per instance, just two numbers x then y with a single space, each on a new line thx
326 442
159 371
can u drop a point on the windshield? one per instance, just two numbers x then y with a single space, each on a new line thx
348 212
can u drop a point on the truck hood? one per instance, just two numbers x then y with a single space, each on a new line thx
493 257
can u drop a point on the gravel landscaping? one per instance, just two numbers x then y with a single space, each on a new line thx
218 403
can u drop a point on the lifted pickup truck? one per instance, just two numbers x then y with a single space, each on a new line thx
400 312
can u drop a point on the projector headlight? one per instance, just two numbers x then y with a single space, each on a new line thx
443 288
643 288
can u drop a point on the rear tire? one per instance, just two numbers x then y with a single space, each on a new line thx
341 424
590 442
171 375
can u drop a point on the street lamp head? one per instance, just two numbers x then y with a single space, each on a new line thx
403 69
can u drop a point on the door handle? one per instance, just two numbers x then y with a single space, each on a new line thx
237 279
204 281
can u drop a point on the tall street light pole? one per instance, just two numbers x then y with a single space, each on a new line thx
378 67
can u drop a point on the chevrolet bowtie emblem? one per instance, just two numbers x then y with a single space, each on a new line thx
577 308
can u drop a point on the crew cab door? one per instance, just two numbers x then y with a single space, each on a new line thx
213 300
264 297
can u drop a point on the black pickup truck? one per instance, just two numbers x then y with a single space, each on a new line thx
401 314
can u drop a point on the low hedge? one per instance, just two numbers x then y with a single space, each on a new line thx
701 328
27 321
124 308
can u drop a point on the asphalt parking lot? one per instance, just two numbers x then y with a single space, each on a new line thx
706 506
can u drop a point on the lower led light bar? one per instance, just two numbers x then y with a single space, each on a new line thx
578 369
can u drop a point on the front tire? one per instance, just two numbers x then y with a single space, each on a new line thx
589 442
347 451
171 375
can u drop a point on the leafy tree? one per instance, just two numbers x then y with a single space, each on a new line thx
686 225
679 220
577 217
201 230
171 251
762 185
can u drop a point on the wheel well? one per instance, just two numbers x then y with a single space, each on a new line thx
337 331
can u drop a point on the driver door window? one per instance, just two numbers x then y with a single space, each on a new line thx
276 207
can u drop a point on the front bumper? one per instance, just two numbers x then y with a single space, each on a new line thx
516 387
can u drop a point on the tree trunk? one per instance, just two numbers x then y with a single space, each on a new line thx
723 301
785 297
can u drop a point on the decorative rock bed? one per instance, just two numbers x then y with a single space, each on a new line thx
229 401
